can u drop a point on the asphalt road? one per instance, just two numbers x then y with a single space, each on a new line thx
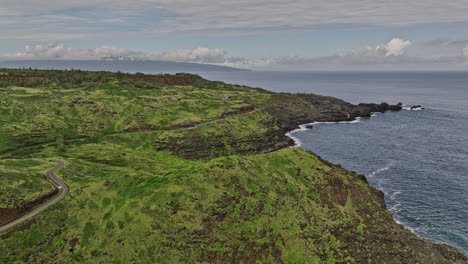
62 191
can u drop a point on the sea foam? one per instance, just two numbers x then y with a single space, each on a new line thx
386 167
410 108
298 142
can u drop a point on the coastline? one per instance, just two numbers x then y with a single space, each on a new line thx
303 127
298 144
287 203
357 119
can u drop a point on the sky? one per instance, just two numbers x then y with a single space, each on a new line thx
256 34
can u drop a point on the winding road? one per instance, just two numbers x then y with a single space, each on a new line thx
62 191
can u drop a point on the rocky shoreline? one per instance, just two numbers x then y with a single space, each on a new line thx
285 112
326 109
289 112
443 253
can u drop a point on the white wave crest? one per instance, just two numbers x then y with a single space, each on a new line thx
297 141
376 172
395 208
303 127
411 108
405 225
393 195
357 120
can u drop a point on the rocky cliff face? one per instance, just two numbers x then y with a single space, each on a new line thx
293 109
388 241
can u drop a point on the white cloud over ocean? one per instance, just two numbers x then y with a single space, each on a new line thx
62 51
202 55
395 47
393 52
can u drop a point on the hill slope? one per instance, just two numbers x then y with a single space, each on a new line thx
178 169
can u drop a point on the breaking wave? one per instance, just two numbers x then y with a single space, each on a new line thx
376 172
304 127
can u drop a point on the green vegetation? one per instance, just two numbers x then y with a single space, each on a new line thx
23 180
165 173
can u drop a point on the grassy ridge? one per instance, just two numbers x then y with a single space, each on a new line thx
154 207
67 109
165 173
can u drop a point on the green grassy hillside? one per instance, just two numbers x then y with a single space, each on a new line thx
23 180
177 169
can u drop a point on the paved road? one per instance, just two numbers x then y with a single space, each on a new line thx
62 191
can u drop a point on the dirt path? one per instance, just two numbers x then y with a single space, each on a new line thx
62 191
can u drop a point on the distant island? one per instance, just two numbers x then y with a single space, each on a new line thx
179 169
122 64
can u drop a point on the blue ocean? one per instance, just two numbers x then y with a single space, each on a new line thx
419 159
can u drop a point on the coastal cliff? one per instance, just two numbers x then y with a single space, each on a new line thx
178 169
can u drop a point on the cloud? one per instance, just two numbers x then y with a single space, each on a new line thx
110 52
243 16
395 52
49 51
394 47
61 51
268 14
46 36
392 52
441 42
202 55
